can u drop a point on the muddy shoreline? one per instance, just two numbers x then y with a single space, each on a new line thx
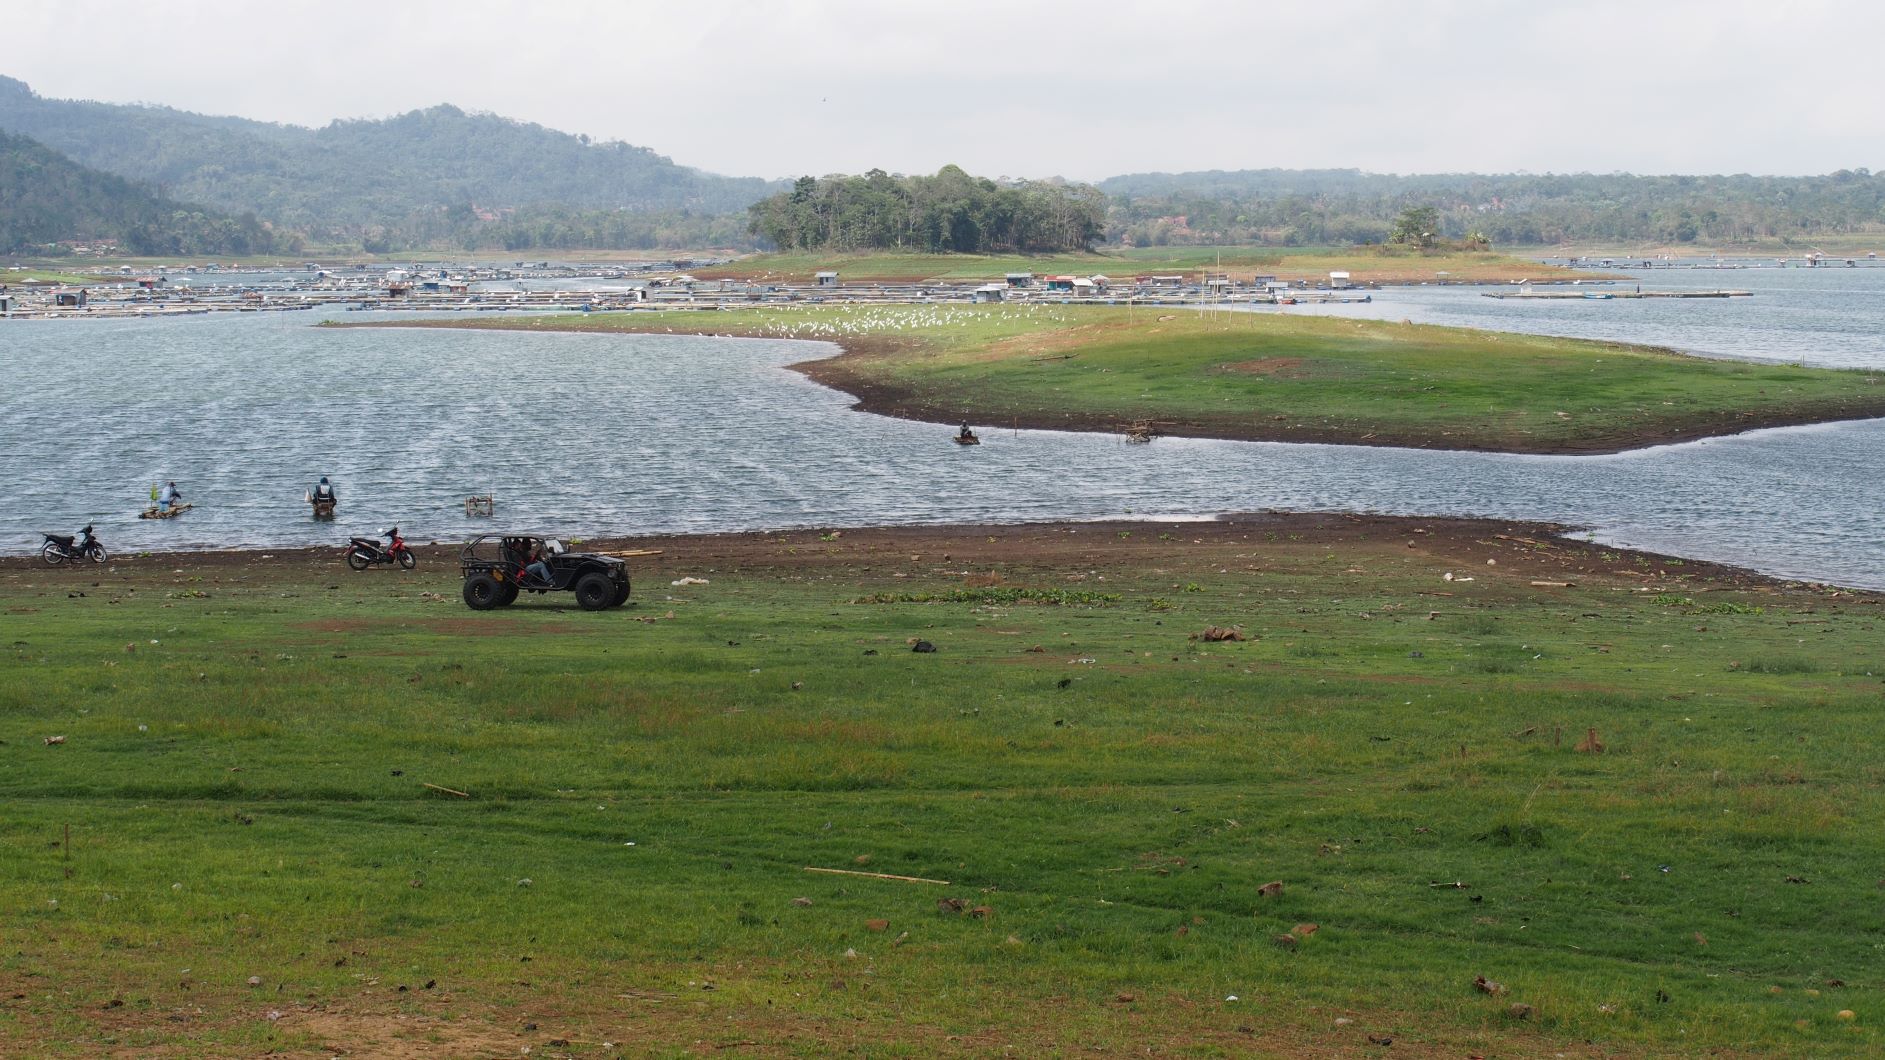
1524 552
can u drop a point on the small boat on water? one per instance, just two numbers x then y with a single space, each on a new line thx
967 438
323 507
172 512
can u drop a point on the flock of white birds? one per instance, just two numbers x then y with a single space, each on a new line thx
834 322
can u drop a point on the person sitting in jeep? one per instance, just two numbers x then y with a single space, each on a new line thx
538 570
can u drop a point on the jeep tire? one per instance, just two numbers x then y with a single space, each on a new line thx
594 591
482 592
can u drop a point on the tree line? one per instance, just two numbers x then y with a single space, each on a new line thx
951 211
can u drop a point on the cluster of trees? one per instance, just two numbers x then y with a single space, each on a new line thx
951 211
1309 207
46 198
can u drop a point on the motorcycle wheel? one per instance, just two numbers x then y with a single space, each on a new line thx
358 560
407 560
97 554
52 554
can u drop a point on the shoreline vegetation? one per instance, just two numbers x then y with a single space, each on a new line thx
1275 784
1264 377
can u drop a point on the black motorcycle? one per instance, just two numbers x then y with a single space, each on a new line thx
64 548
364 552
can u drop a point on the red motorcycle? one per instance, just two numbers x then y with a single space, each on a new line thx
364 552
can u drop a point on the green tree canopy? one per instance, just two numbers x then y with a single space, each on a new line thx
951 211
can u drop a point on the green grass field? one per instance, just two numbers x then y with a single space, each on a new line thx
1381 264
1270 376
47 276
245 748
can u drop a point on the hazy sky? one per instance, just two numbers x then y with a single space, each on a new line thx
1079 88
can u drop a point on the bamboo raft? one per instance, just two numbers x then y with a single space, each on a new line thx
1141 432
154 512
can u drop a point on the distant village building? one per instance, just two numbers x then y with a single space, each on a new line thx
826 279
989 292
1218 285
1165 281
1338 281
1020 279
1060 284
71 297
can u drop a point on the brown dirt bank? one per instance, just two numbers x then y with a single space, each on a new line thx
843 371
1525 552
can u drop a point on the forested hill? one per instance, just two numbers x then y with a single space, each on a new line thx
400 175
1320 206
46 197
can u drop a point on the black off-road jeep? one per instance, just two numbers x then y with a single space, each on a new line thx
496 569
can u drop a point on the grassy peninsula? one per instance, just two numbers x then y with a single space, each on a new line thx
1270 377
1642 802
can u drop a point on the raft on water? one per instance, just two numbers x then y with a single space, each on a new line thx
155 512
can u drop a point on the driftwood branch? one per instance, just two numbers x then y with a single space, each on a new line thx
876 875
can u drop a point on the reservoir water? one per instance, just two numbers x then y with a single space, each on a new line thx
624 435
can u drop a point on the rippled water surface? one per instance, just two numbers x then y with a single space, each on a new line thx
586 434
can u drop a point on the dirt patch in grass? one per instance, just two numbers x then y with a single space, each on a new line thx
406 1036
1276 367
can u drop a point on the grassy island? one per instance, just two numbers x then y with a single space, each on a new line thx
1277 786
1268 377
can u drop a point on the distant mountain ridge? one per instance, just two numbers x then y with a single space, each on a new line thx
351 177
46 199
1324 206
